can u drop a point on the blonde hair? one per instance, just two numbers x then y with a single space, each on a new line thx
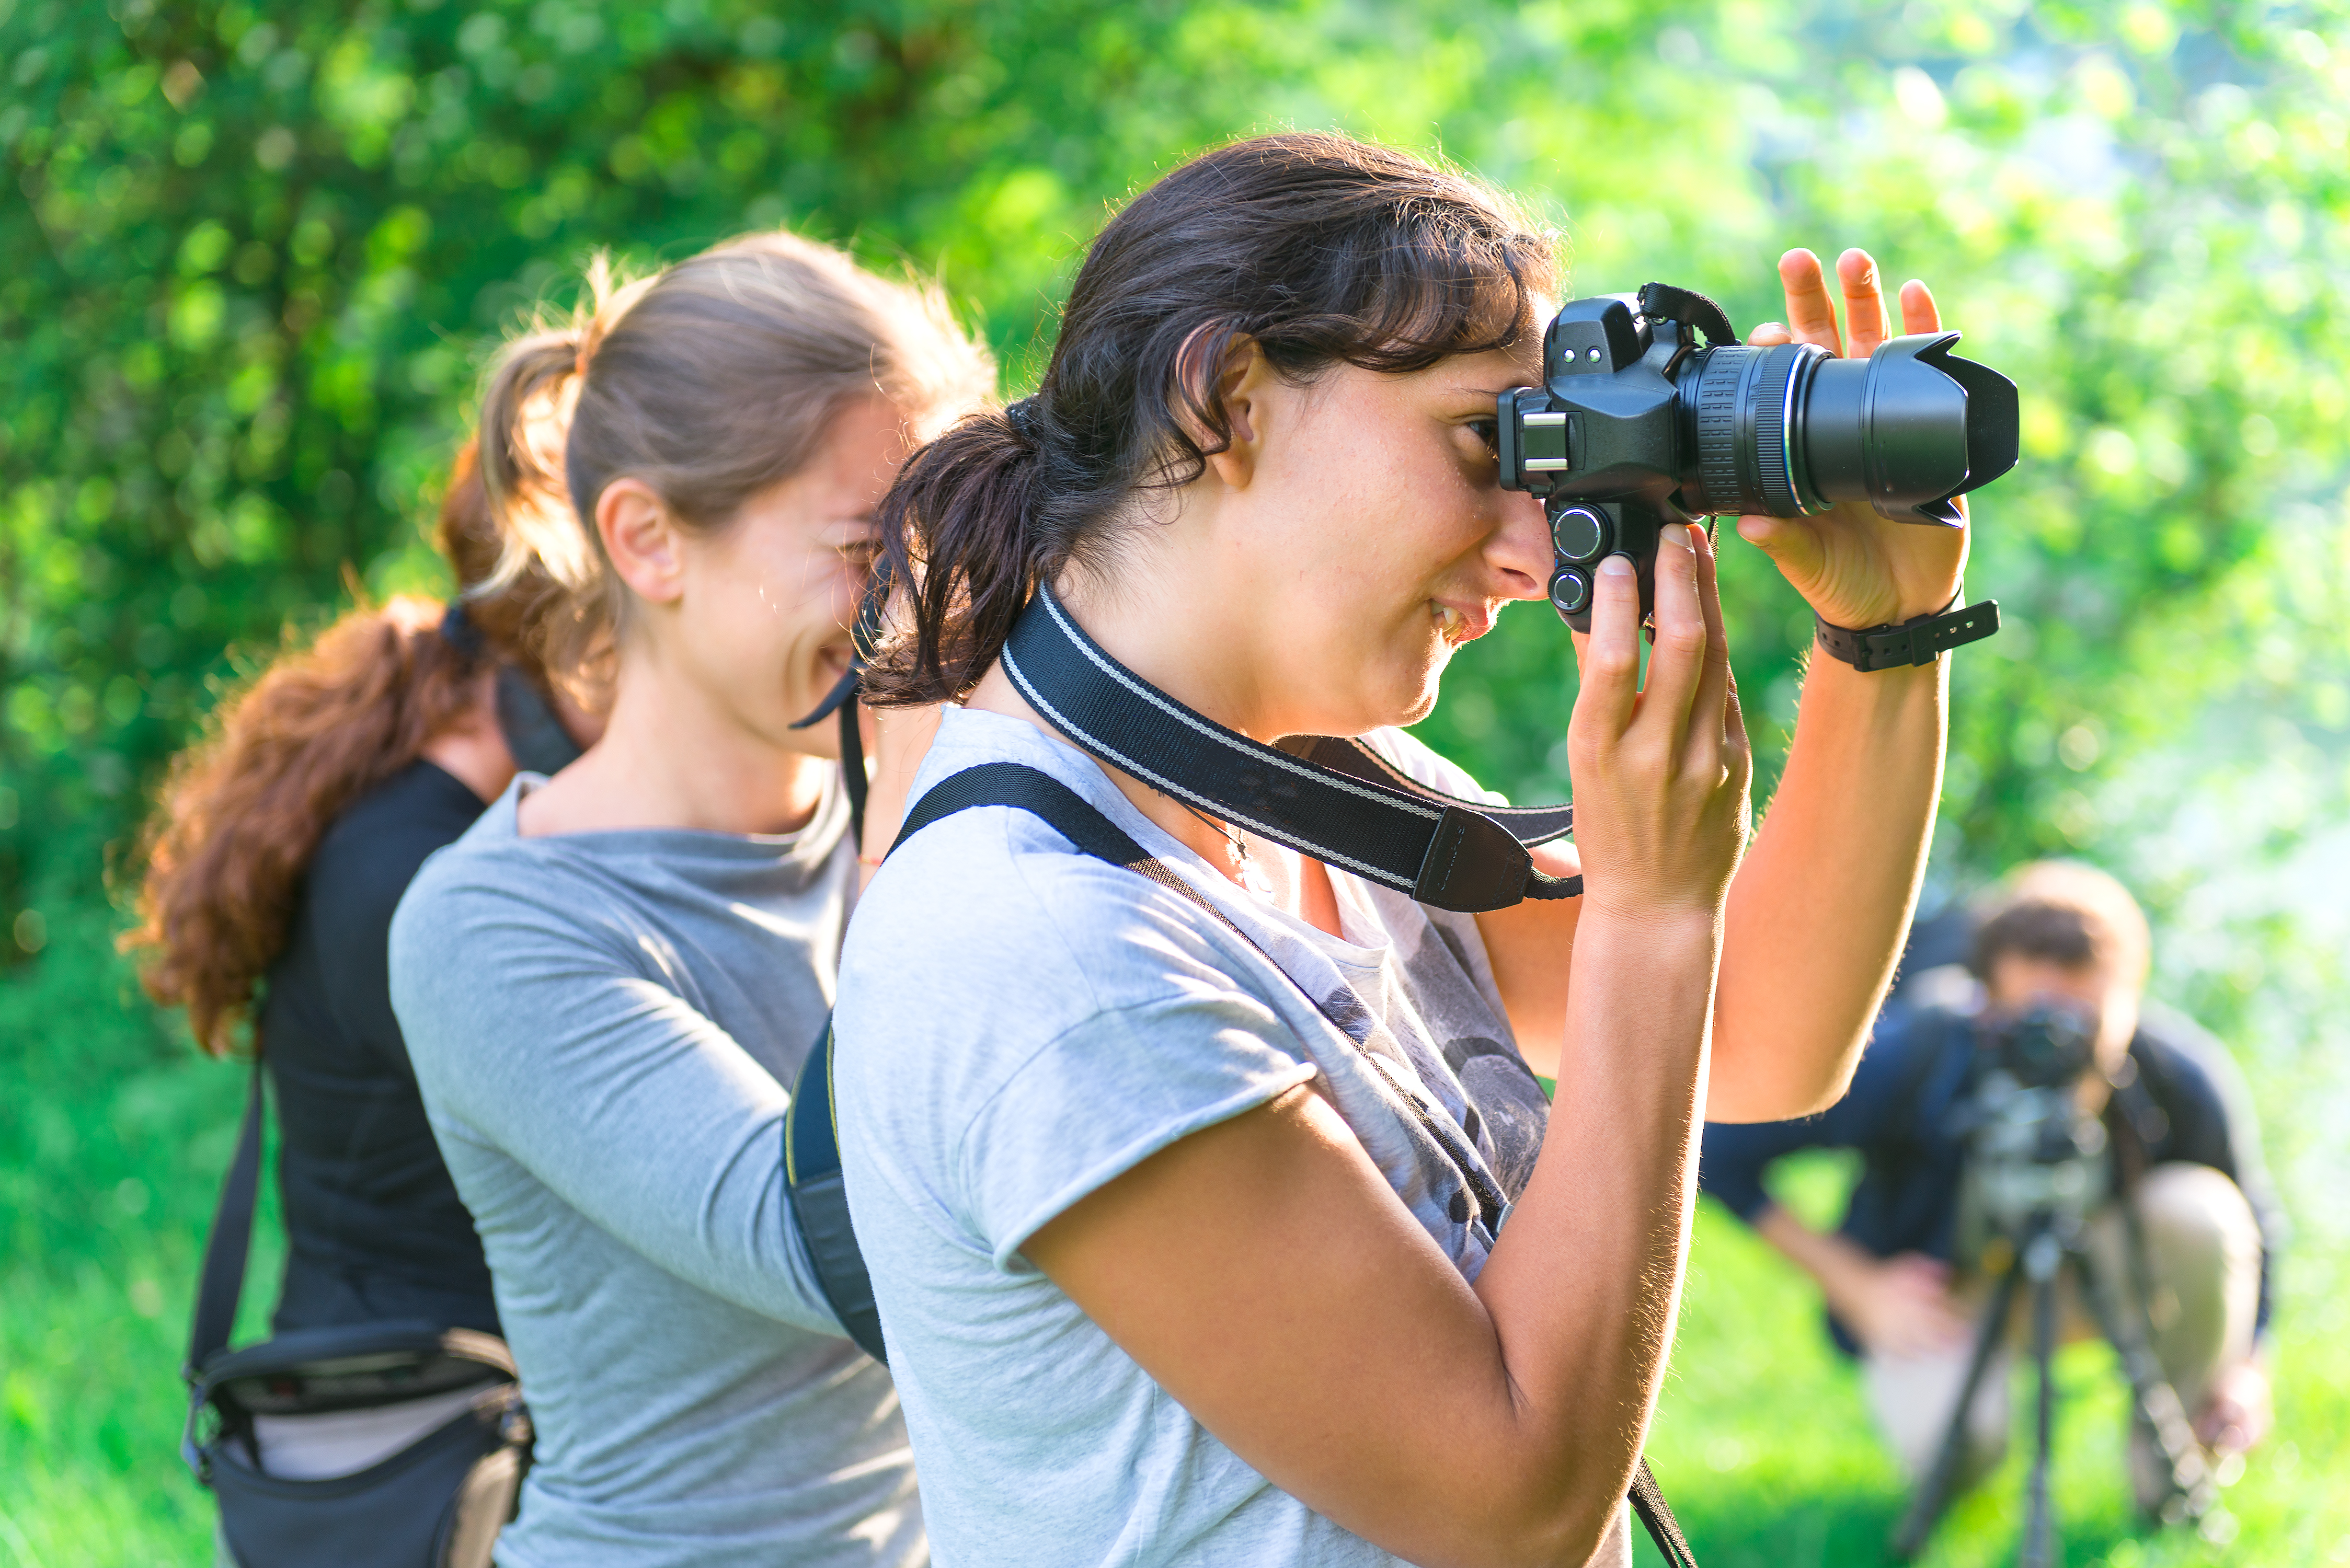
2064 913
709 381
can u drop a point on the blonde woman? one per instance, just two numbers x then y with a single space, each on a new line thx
609 983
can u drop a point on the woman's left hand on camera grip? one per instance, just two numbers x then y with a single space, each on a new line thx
1856 568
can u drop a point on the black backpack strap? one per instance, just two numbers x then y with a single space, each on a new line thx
232 1238
222 1282
814 1183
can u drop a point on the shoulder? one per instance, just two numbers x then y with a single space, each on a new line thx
488 898
376 845
993 895
2178 1055
1906 1047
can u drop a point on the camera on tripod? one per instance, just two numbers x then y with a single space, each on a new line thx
1635 426
2034 1154
2038 1167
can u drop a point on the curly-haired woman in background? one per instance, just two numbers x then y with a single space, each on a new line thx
280 847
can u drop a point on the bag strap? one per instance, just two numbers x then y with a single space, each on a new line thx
1648 1499
222 1282
1079 821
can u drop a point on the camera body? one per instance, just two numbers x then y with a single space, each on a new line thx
2034 1154
1637 425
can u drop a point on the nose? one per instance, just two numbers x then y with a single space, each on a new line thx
1519 552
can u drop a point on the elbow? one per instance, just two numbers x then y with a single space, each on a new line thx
1753 1083
1553 1523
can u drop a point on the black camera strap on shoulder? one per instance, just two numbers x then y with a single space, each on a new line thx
1333 799
812 1173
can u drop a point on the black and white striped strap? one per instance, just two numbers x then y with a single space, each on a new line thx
1333 799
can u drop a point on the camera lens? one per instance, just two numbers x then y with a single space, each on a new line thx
1789 429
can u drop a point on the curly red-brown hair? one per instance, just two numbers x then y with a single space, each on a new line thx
324 722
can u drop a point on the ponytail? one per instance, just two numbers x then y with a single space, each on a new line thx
244 809
963 526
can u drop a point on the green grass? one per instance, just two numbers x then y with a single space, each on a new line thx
113 1137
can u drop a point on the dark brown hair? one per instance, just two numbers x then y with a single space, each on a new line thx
1319 248
2065 913
710 381
325 721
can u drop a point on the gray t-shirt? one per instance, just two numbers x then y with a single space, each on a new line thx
604 1027
1020 1023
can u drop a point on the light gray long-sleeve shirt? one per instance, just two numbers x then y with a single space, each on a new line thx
605 1026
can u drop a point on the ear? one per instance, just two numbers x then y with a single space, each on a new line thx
1247 384
641 539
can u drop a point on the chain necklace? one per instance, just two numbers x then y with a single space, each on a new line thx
1233 842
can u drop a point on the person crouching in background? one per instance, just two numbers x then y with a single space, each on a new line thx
1900 1296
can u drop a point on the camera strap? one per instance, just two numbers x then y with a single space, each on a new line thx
842 703
1334 799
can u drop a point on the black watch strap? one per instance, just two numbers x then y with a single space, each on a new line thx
1917 640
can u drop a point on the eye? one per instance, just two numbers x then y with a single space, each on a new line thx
1489 432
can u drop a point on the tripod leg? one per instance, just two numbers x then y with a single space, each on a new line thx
2041 1261
2194 1490
1933 1493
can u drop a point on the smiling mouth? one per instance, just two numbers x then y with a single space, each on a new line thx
1457 627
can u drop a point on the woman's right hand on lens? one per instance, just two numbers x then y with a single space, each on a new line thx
1661 771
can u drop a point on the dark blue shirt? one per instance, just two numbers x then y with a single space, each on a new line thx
2180 1099
375 1228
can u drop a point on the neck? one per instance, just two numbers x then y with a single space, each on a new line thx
1183 659
1185 634
672 756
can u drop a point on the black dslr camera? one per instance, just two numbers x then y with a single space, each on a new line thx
2033 1153
1636 426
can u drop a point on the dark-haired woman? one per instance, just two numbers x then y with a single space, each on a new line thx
1177 1226
280 847
609 983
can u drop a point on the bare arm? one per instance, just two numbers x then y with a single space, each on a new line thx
1820 907
1326 1337
1819 910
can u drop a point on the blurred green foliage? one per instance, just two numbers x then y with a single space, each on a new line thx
252 258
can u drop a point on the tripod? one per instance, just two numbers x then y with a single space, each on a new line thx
2050 1239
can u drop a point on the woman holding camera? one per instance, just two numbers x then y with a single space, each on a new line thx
1172 1231
608 982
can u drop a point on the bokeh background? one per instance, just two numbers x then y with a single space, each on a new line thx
252 256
